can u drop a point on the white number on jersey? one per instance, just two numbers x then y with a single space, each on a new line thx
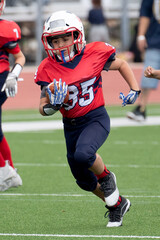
16 31
87 94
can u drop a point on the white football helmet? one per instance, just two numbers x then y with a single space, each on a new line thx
2 6
60 23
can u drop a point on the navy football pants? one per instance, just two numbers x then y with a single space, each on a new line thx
84 136
3 98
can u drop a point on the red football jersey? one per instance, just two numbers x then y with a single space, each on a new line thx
10 34
83 77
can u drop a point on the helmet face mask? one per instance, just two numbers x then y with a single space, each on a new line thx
2 6
63 24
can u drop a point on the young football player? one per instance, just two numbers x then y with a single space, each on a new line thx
150 72
10 34
76 66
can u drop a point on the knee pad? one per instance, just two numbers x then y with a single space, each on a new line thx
84 159
90 187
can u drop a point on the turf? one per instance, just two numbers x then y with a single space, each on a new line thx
30 115
50 202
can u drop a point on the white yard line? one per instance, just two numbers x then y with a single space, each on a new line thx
78 236
66 165
57 124
68 195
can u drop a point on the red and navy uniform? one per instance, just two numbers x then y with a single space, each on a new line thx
83 77
10 34
86 122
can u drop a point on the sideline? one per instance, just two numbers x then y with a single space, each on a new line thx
25 126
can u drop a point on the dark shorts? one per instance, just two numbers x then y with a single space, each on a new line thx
84 136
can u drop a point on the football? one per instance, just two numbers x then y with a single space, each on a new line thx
51 87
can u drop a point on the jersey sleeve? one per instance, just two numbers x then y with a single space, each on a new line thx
109 61
14 50
41 76
108 55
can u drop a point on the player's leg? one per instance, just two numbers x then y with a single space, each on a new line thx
107 181
8 175
82 158
5 151
4 147
2 100
90 139
85 155
106 187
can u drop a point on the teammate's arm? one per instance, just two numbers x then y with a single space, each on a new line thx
10 85
19 58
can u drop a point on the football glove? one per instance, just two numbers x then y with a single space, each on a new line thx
10 85
60 92
130 98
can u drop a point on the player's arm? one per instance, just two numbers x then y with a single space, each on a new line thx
19 58
10 85
52 97
123 67
150 72
45 108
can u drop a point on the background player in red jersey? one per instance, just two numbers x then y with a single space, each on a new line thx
74 65
10 34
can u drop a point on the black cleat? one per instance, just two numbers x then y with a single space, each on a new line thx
115 214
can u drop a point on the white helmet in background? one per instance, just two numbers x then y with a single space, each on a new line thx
2 6
58 24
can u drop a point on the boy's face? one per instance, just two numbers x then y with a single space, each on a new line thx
61 43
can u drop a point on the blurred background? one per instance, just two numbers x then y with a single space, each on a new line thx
121 16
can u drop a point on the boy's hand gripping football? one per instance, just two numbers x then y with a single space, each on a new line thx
60 92
130 98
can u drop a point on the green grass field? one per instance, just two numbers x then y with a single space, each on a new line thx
50 205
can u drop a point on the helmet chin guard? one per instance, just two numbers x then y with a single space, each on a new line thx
63 23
